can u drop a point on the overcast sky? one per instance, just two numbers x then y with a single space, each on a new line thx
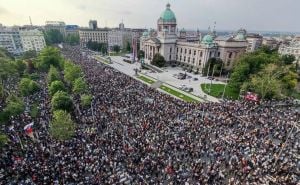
265 15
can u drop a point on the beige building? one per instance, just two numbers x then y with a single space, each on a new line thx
56 25
271 42
293 48
194 54
99 35
255 41
32 40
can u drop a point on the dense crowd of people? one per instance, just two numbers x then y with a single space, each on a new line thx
133 134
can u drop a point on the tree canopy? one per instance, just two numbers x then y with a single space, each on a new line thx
80 86
158 60
56 86
213 65
53 36
61 101
72 39
62 127
49 56
116 48
28 87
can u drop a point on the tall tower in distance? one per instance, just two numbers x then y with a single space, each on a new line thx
93 24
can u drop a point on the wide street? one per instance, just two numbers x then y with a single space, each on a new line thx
166 76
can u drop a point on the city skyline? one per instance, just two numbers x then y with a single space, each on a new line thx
251 15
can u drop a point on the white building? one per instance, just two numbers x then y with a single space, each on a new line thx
10 40
120 37
293 48
193 54
32 40
254 42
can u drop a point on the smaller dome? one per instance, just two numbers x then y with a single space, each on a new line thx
145 34
182 30
240 37
207 39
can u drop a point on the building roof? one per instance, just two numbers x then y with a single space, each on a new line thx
168 15
207 39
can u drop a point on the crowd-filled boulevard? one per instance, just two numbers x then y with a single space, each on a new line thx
133 134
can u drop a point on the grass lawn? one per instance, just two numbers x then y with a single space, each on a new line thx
178 94
34 110
217 91
118 54
147 80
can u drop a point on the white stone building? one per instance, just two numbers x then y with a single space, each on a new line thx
10 40
32 40
119 37
293 48
193 54
254 41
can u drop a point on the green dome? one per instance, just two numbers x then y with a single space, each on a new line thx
168 14
207 39
145 34
240 37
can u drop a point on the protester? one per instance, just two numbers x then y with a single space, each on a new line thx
133 134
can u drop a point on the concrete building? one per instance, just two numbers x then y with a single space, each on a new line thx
10 40
32 40
93 24
72 30
192 53
292 48
254 41
271 42
99 35
56 25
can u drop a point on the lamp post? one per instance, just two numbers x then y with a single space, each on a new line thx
211 78
225 87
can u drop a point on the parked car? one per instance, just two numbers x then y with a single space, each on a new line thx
195 79
210 78
190 89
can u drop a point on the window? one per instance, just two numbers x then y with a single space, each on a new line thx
184 59
185 51
177 50
188 59
228 63
190 51
176 57
219 54
201 54
195 52
180 58
193 60
170 50
180 50
170 57
230 55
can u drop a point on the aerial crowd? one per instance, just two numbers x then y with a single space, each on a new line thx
134 134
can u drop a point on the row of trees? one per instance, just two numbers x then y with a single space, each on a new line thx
54 36
266 73
99 47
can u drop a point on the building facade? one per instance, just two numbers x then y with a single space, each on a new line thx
99 35
72 30
93 24
56 25
32 40
292 48
254 42
190 53
17 41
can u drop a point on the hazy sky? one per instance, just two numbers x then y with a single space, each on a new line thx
277 15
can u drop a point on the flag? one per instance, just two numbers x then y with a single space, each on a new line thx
28 129
251 96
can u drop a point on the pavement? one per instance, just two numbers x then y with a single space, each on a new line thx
167 77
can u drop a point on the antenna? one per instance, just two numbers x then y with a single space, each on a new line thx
215 23
30 21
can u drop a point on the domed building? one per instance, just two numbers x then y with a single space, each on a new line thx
176 48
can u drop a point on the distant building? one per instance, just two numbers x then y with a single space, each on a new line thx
292 48
192 53
271 42
56 25
72 29
16 41
32 40
93 24
121 26
10 40
99 35
255 41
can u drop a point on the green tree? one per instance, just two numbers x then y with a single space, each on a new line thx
53 36
56 86
3 140
49 56
266 83
86 100
61 101
62 127
20 67
158 60
79 86
128 46
72 39
116 48
53 75
213 65
29 55
28 86
288 59
14 107
71 72
290 80
141 54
